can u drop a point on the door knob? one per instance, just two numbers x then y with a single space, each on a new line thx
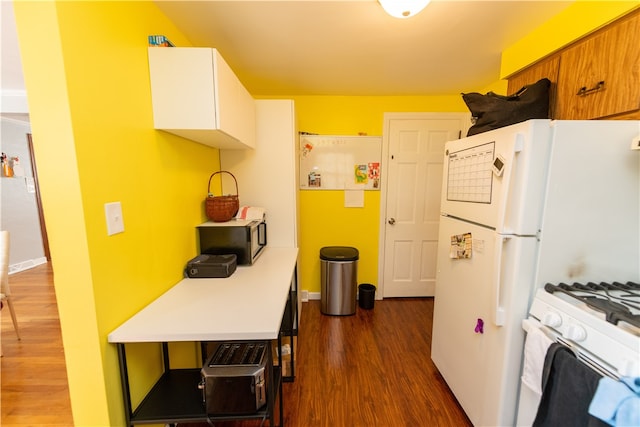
392 221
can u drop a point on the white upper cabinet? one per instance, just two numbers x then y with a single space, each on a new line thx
196 95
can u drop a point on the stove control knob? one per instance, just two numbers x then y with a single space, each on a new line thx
551 319
575 333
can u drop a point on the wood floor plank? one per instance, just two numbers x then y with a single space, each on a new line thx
33 375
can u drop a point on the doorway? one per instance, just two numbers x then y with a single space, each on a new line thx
36 185
413 150
22 213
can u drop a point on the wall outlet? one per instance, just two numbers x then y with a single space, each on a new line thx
113 213
635 143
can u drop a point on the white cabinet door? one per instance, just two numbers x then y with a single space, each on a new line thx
196 95
235 107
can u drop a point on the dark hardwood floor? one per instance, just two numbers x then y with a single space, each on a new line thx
369 369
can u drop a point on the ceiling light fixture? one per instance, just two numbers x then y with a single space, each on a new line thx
403 8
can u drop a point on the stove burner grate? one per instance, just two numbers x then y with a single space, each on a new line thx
616 300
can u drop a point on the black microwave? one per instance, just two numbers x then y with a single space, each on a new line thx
246 239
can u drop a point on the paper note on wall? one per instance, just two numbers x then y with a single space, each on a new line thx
354 198
30 184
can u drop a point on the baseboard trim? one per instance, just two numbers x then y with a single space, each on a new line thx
307 296
311 295
26 265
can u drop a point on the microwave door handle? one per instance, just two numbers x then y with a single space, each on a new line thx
262 235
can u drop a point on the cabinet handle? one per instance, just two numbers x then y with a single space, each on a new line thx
584 91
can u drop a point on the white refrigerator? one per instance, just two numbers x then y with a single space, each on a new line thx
536 202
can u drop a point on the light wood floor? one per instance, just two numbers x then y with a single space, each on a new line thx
370 369
35 391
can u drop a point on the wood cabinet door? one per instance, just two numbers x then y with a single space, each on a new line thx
611 56
547 68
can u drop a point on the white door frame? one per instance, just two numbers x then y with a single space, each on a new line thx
388 117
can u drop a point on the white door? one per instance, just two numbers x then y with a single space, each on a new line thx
413 150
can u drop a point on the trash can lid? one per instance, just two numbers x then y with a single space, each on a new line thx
339 253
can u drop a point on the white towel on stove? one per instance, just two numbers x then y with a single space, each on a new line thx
535 350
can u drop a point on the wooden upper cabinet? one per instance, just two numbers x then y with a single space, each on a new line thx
610 55
600 75
547 68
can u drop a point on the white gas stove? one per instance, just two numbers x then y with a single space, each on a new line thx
600 322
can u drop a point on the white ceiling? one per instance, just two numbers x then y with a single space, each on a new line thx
343 47
352 47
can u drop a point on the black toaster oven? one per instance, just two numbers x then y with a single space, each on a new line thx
234 378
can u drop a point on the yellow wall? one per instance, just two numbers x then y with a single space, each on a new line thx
87 80
324 221
88 87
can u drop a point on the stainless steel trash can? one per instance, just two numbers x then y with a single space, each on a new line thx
338 280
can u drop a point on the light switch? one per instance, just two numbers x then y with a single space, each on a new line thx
115 223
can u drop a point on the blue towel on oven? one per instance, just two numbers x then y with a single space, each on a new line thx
617 402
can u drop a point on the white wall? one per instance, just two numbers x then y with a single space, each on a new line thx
19 211
13 97
267 175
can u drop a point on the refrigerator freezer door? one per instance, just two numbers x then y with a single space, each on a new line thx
497 178
477 335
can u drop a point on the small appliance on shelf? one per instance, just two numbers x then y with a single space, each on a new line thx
234 378
211 266
244 238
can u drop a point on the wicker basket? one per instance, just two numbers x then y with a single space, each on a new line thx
221 208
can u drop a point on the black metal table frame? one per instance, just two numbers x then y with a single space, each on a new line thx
194 410
161 393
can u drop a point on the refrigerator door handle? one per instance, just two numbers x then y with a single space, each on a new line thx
498 309
506 181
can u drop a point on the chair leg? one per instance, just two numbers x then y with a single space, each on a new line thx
13 316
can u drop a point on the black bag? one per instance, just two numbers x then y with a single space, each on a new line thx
492 111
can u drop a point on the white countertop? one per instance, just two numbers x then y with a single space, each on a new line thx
248 305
